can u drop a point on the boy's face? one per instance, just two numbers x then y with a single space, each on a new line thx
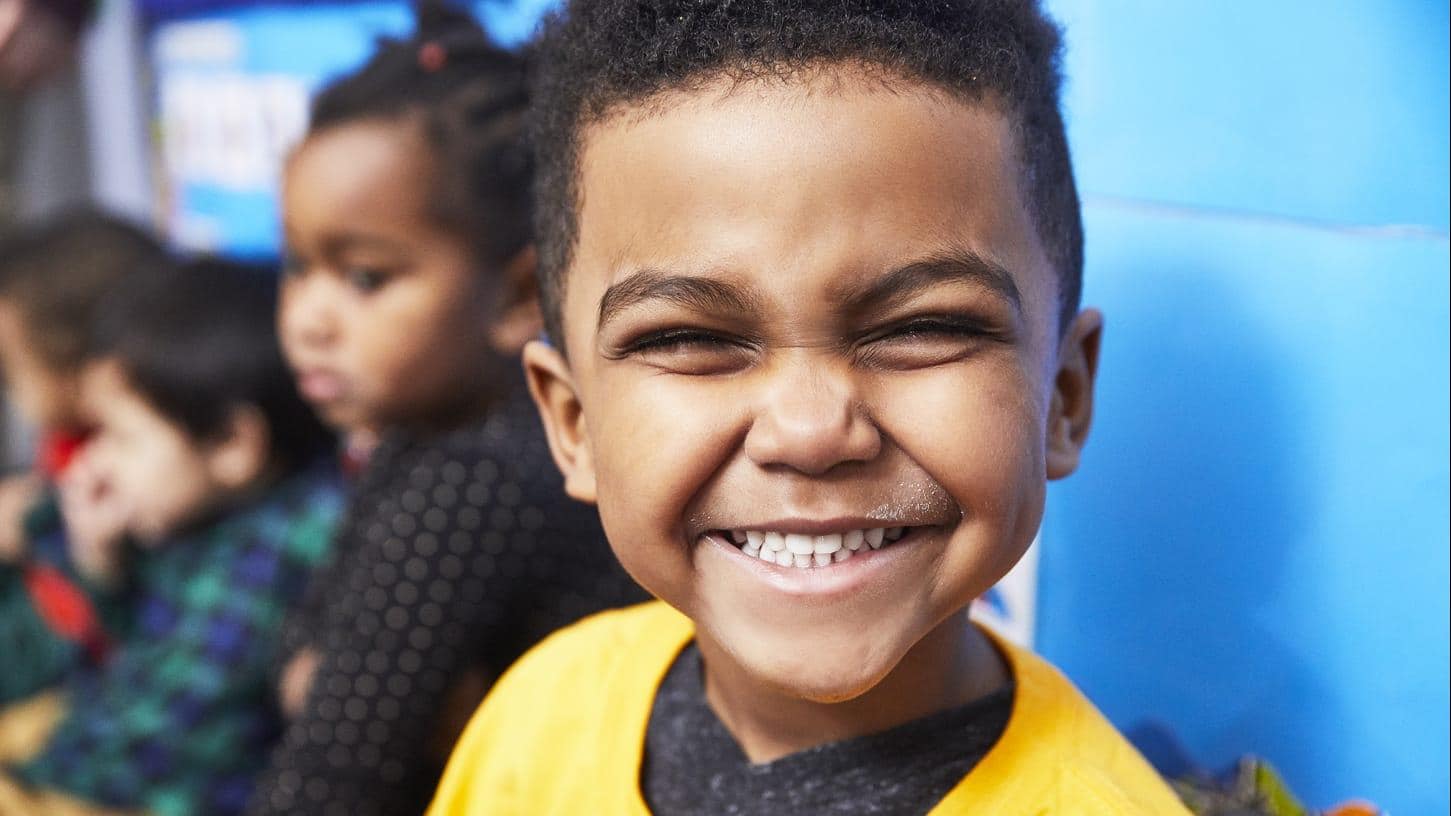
813 309
160 475
384 317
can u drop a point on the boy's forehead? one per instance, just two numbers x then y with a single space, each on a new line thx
800 184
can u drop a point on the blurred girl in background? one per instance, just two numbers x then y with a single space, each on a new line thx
409 293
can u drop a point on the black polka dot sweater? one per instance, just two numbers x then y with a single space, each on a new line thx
457 554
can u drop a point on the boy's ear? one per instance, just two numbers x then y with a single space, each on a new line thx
517 319
552 387
239 455
1071 410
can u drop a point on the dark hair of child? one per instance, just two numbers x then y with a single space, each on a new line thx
468 96
608 55
197 340
55 273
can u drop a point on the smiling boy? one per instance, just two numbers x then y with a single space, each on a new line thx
812 272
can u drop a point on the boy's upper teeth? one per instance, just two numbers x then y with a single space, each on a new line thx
796 549
801 544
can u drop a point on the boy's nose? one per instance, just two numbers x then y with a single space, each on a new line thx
810 420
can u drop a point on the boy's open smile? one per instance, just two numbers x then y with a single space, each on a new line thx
804 550
818 569
831 556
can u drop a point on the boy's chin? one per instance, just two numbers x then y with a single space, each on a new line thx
828 687
821 667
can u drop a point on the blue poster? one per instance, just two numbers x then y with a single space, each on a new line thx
232 90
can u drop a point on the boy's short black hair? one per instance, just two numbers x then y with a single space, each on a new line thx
197 340
54 274
595 56
468 96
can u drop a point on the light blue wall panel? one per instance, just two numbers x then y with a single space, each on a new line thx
1333 110
1255 549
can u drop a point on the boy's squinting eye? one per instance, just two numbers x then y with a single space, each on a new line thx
688 351
926 340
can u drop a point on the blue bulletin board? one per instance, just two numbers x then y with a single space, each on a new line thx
232 88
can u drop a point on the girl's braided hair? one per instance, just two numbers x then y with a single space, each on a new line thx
467 95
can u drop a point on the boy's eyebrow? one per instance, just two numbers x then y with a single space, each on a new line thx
705 294
960 265
698 293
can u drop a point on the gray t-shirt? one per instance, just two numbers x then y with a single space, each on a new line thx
693 765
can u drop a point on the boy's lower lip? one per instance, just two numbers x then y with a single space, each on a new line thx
838 579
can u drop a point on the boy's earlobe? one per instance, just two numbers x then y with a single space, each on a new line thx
1071 411
552 387
240 456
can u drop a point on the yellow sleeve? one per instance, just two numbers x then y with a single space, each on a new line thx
1058 755
564 727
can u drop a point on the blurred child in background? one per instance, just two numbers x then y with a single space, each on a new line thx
409 294
207 460
51 278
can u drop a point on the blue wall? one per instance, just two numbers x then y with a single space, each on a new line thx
1255 549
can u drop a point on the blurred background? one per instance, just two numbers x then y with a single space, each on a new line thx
1254 556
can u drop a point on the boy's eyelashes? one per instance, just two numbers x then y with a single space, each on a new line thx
927 340
930 327
688 350
913 342
675 339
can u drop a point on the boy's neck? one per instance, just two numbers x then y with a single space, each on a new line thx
950 667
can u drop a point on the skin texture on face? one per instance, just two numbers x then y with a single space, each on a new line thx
815 306
383 316
42 394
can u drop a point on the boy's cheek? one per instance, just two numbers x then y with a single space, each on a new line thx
652 454
987 428
643 537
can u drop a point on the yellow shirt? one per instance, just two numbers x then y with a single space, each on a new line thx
563 734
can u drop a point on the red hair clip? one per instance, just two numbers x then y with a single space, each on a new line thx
431 56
